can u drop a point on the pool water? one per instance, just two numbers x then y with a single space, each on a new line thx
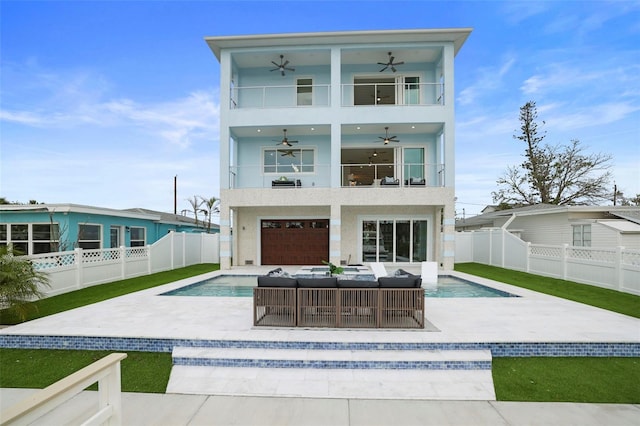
242 286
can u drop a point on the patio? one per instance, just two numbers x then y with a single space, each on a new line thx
525 326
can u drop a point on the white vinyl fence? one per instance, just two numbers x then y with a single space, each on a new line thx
615 268
73 270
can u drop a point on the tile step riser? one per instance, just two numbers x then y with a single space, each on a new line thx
328 364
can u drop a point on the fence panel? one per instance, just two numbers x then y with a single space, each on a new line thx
608 267
80 268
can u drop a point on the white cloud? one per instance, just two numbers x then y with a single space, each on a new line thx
487 81
78 98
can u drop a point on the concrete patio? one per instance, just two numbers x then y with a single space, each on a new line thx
318 397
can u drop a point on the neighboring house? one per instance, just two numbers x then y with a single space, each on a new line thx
45 228
599 226
337 146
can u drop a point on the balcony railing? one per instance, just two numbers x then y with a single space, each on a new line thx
414 175
317 95
361 94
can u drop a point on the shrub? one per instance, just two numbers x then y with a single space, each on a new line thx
19 282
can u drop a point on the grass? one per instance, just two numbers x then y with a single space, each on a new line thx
98 293
603 380
38 368
616 301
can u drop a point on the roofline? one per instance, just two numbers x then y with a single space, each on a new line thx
456 35
76 208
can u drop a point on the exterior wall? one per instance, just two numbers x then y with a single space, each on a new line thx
544 229
69 222
255 103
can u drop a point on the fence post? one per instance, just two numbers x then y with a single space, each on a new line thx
563 259
173 236
528 258
123 266
149 259
618 268
184 249
78 262
503 238
491 247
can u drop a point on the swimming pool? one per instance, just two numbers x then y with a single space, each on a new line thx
242 286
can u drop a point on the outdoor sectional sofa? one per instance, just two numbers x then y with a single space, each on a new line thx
388 302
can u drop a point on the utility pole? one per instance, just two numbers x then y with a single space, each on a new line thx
175 194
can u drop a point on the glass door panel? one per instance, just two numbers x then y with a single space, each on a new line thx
403 240
385 253
419 253
115 237
413 164
369 241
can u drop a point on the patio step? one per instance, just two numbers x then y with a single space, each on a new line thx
387 374
333 359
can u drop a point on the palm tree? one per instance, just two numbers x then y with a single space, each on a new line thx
195 202
212 206
19 282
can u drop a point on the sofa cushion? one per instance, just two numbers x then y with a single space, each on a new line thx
399 282
328 282
357 284
265 281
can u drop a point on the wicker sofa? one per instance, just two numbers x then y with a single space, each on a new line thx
388 302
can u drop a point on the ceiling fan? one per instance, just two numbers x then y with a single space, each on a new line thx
287 153
386 139
285 141
390 64
282 66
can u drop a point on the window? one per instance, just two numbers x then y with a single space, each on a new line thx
413 163
19 238
288 160
394 240
137 237
304 91
45 238
582 235
30 238
411 90
89 236
3 235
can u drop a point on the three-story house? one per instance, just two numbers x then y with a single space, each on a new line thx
337 146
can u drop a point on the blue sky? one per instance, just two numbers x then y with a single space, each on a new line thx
103 103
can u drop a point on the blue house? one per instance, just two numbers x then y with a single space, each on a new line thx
45 228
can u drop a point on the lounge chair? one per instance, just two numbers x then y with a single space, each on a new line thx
429 274
378 269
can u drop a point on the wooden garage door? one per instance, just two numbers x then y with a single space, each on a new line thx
295 242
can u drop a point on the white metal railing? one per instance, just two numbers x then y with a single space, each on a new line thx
280 96
72 270
105 371
381 94
616 268
413 175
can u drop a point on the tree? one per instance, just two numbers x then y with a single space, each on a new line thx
19 282
195 203
212 206
559 174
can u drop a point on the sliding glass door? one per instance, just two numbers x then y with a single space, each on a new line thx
395 240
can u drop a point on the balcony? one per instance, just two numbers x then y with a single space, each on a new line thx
369 175
371 93
377 92
316 95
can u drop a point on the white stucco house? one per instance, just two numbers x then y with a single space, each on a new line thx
337 146
581 226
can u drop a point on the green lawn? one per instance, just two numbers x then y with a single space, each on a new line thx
616 301
98 293
38 368
610 380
